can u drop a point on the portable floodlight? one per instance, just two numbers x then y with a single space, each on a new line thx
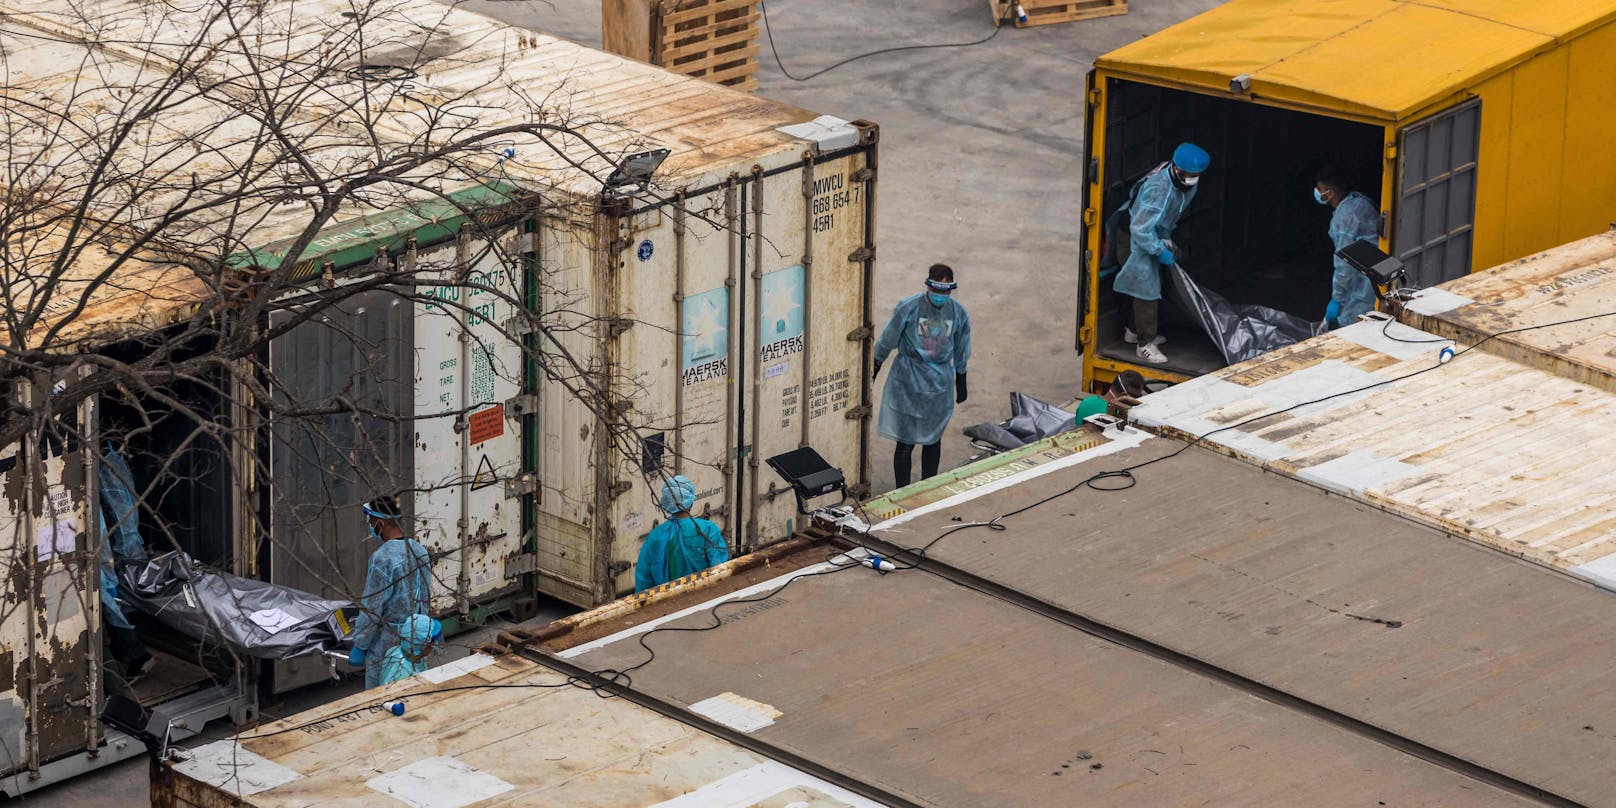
1381 269
808 474
636 169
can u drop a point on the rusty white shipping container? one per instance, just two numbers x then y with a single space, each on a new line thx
722 312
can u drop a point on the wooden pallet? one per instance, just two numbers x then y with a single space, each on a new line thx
1045 12
716 40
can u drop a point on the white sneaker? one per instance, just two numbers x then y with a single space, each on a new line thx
1133 339
1150 353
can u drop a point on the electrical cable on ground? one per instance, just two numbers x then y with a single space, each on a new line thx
1125 476
769 32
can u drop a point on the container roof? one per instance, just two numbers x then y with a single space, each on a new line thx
1497 451
1383 59
1521 310
468 74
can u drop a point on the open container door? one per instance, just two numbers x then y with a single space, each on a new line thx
1436 195
50 634
323 468
1092 236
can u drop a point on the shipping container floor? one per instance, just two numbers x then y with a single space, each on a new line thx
1188 352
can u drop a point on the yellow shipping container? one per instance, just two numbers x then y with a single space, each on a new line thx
1477 126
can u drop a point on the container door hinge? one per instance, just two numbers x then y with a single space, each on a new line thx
861 334
521 485
864 174
865 253
615 326
521 564
618 568
524 404
1091 217
861 411
1085 335
518 326
860 491
620 488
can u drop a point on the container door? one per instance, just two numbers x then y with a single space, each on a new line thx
468 367
1093 199
803 379
676 293
1436 195
48 544
567 296
324 467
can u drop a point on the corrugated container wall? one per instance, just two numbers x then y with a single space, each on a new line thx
736 327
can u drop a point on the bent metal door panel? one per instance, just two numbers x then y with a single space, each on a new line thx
467 447
808 301
51 592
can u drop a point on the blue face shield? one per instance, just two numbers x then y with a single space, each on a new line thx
1318 196
937 300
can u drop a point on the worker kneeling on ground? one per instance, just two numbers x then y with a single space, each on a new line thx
1353 218
397 586
683 545
1122 395
932 334
416 640
1154 207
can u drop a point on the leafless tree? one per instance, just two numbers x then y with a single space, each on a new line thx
149 147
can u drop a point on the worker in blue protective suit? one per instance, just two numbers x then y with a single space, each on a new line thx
931 333
397 585
1156 204
1353 218
683 545
416 638
120 540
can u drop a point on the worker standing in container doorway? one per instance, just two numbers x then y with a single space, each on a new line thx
1154 207
1353 218
931 333
397 585
683 545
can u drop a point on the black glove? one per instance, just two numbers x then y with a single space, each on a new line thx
959 388
877 371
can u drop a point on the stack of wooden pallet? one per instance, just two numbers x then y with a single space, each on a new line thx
716 40
1044 12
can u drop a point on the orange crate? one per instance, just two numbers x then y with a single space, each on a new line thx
1045 12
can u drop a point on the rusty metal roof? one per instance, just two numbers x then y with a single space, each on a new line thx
468 75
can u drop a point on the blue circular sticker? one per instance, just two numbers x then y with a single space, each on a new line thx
645 250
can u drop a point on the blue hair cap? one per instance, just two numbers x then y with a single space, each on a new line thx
1191 158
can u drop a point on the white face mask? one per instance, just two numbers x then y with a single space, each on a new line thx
1189 180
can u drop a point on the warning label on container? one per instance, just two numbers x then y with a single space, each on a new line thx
487 424
485 475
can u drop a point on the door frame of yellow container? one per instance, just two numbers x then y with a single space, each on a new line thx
1099 370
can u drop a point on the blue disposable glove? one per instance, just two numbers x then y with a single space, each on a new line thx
1166 258
356 657
1332 314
